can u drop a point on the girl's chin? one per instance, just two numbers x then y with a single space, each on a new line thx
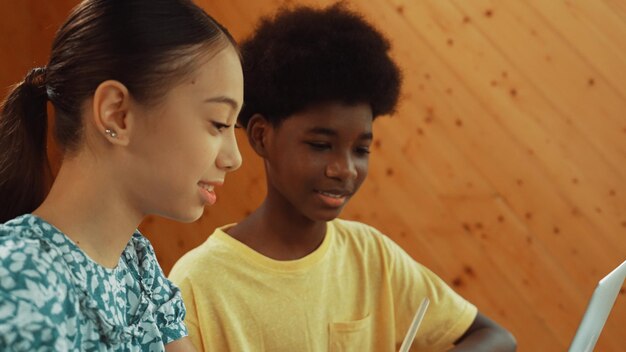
188 216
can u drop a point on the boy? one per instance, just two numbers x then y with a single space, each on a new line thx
291 276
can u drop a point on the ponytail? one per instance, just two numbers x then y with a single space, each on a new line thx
24 168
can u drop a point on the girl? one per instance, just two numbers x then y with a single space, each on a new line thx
145 93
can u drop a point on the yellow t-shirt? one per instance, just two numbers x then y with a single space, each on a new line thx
358 292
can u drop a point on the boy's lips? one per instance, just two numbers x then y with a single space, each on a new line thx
333 198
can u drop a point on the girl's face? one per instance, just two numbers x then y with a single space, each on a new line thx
184 147
318 158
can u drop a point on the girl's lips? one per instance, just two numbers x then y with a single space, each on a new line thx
207 191
208 196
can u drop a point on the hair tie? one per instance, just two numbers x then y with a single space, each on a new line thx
35 81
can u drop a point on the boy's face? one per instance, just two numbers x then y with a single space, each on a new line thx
317 159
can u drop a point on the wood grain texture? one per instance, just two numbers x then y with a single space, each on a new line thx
503 171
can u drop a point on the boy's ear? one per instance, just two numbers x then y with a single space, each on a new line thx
111 102
257 131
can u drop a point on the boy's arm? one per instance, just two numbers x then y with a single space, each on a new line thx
449 315
485 335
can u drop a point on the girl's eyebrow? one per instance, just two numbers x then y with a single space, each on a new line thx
223 99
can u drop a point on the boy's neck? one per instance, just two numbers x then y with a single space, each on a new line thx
279 233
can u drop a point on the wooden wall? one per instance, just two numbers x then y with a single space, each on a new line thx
504 170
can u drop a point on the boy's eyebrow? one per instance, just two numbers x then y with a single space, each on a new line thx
322 130
367 135
223 99
332 133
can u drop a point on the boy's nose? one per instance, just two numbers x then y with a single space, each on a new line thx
342 168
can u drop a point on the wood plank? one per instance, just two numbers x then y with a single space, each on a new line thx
592 32
503 170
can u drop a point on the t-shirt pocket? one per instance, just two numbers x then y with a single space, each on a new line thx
350 336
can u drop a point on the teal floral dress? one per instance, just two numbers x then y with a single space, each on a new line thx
55 298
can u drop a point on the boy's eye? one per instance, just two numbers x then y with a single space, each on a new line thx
319 145
363 150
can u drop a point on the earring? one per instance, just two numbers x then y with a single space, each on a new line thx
111 133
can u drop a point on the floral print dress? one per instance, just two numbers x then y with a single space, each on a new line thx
55 298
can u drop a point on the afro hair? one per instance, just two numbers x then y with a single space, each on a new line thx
305 56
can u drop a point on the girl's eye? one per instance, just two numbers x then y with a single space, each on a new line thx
319 145
220 126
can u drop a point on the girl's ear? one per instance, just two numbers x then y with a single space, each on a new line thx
258 131
111 102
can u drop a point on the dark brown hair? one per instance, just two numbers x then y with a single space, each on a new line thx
140 43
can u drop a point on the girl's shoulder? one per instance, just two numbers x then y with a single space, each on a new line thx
27 240
142 262
139 251
30 264
20 227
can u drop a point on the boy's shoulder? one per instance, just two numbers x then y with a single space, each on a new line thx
362 237
356 230
195 262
